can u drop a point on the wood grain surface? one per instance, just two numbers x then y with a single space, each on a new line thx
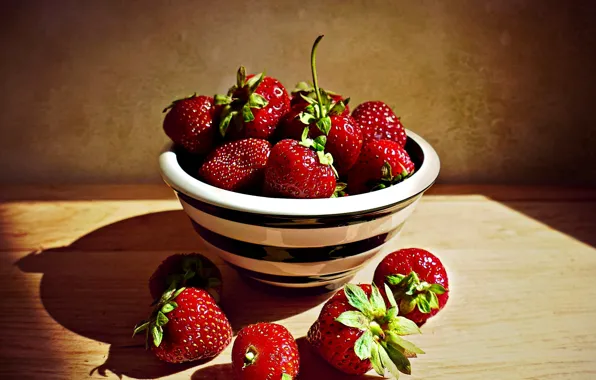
74 264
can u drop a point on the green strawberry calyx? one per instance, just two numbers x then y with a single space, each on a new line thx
414 293
340 188
320 103
388 178
240 100
381 341
194 273
318 145
153 326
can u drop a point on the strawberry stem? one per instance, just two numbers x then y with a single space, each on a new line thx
250 356
313 66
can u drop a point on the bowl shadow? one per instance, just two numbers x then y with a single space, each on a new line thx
97 287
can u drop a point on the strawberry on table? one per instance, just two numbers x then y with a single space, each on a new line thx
355 332
418 282
325 115
237 165
379 122
300 170
381 163
252 107
265 351
186 325
186 270
189 123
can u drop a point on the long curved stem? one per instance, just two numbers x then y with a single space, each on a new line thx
313 66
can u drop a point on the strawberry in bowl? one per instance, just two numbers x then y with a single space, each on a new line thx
306 200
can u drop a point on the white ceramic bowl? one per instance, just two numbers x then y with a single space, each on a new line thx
299 242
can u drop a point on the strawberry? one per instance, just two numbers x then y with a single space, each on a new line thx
188 270
296 171
381 163
379 122
325 116
186 325
253 107
356 332
237 165
265 351
418 281
189 123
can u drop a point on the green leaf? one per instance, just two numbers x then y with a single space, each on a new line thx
346 101
386 174
189 274
240 77
397 341
375 359
303 87
307 99
403 326
157 334
399 359
433 300
353 318
168 294
357 298
392 313
168 307
388 363
141 327
407 304
285 376
390 297
247 115
222 99
394 279
363 345
254 82
161 319
437 289
338 108
324 124
257 101
377 301
325 158
225 122
321 140
178 292
306 118
423 304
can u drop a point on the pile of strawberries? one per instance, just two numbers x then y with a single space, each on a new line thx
257 139
359 328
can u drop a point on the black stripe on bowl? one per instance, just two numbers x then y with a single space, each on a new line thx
294 279
296 222
292 255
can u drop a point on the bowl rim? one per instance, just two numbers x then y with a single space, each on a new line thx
179 180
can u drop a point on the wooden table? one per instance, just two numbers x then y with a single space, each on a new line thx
75 261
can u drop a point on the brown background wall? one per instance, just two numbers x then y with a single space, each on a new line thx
504 90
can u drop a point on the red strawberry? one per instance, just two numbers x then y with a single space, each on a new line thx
253 107
186 325
265 351
343 136
188 270
237 165
296 171
356 332
418 282
381 163
379 122
189 123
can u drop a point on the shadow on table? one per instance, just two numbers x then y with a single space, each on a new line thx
97 287
311 367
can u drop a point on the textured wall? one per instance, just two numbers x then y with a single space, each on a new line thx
504 90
